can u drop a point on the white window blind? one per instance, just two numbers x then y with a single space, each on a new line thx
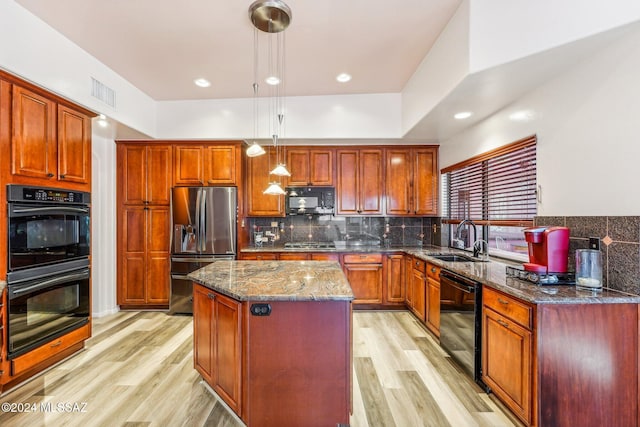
497 188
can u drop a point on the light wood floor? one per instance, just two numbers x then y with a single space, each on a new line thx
137 370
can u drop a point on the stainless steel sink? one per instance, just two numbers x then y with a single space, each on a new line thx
455 258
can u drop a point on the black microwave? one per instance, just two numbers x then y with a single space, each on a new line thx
310 200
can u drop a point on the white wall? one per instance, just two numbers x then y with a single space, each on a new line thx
505 30
309 117
588 134
103 221
32 50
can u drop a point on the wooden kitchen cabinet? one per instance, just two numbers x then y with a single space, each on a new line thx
310 166
258 256
418 290
294 256
411 181
218 343
364 273
50 142
432 317
144 224
359 181
258 179
144 174
210 164
395 287
144 257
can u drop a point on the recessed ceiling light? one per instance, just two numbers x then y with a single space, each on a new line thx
272 80
462 115
522 116
202 82
343 77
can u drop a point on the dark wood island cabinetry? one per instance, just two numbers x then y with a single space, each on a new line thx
273 340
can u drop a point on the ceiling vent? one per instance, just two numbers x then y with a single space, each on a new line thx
103 93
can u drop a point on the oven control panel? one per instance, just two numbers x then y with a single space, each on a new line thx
21 193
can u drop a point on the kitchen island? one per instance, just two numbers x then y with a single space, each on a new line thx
273 340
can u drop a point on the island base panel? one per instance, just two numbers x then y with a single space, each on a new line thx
299 365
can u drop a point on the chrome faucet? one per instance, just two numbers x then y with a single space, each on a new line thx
457 242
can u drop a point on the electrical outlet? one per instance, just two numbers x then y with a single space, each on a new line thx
594 243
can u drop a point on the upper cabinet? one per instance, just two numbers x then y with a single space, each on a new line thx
146 173
49 141
310 166
359 175
258 179
411 181
211 164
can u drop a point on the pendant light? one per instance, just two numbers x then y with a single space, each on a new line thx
271 17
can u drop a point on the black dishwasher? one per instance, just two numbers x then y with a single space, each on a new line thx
460 322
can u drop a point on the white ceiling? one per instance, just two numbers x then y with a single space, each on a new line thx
161 46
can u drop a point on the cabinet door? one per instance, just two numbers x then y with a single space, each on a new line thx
408 281
371 185
298 164
321 167
418 297
506 361
398 182
221 165
158 174
74 146
425 181
433 306
395 279
365 281
348 185
227 369
258 179
203 321
131 289
34 149
132 164
188 165
158 255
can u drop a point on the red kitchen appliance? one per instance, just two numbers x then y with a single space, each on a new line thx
548 249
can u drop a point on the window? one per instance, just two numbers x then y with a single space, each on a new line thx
497 191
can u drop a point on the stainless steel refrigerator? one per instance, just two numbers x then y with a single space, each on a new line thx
204 229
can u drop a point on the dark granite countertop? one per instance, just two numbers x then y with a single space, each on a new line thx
276 280
492 273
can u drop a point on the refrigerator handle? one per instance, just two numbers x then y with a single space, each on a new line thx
202 240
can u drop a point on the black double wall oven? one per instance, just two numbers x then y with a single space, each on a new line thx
48 274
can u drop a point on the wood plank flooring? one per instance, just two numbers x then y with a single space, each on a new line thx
137 370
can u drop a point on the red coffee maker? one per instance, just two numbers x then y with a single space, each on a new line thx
548 249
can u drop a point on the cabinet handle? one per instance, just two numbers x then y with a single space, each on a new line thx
211 296
503 323
57 344
433 269
62 176
435 228
504 302
50 175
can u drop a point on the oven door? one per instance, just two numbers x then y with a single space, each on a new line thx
42 234
44 308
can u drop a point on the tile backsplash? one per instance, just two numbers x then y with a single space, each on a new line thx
619 242
389 231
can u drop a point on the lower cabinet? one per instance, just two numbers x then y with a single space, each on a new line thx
218 343
507 350
394 280
364 272
418 285
144 257
432 318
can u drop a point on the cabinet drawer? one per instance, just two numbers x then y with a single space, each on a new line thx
420 265
25 362
362 258
433 271
260 256
509 307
